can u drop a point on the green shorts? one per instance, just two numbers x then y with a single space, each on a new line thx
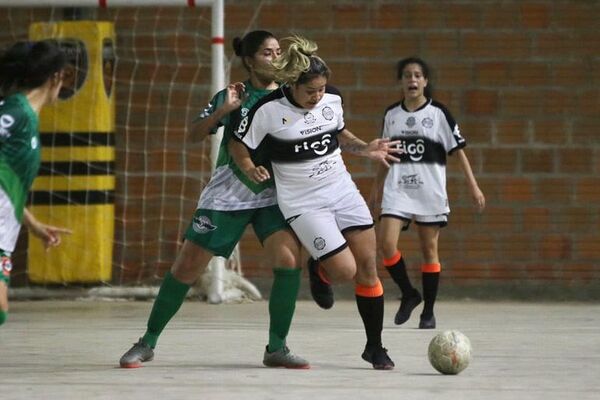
5 266
220 231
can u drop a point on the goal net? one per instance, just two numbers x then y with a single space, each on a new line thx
162 74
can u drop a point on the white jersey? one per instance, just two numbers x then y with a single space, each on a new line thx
417 184
303 148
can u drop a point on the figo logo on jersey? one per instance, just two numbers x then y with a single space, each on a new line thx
414 150
319 146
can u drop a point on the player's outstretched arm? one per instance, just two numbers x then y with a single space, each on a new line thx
202 127
476 193
50 235
241 156
382 150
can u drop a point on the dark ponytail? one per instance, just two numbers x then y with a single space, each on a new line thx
28 65
249 44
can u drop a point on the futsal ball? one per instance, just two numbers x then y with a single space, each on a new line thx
450 352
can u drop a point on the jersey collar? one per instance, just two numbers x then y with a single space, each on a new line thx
418 109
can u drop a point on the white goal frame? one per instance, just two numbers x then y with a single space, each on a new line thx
216 271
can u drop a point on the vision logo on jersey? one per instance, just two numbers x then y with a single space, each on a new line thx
328 113
320 146
414 150
6 121
203 224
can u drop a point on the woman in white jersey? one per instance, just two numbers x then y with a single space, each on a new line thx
30 77
415 189
226 206
300 128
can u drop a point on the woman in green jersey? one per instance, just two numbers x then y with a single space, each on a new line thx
30 77
226 206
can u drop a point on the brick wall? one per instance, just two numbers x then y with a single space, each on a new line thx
520 77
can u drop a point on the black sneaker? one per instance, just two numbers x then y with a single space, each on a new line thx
139 353
407 305
378 357
427 322
321 292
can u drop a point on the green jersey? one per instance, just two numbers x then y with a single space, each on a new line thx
20 151
229 188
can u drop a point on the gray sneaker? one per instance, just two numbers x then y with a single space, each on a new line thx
284 358
139 353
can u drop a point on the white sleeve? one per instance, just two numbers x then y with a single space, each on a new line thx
252 129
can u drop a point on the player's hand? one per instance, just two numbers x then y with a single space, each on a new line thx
384 151
258 174
48 234
236 93
478 198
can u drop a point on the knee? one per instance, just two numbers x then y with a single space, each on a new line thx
387 248
284 258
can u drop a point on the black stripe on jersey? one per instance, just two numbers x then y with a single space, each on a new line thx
274 95
68 168
418 149
308 148
75 197
61 139
449 118
460 141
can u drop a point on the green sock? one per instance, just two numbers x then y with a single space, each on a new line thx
282 304
170 297
3 316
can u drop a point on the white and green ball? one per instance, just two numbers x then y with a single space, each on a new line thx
450 352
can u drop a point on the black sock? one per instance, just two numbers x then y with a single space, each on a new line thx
371 312
398 273
430 289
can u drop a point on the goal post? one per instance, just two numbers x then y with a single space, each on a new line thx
217 281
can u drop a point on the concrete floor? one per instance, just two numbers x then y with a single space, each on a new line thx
70 350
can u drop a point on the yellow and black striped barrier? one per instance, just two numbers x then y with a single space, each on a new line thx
75 186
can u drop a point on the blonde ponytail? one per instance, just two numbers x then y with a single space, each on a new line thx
299 58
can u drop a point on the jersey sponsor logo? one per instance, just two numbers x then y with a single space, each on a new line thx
312 130
411 121
322 168
242 128
245 111
320 146
6 121
414 150
319 243
309 118
427 122
412 181
203 224
328 113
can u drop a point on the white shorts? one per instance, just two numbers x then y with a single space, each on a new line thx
321 231
9 226
440 220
